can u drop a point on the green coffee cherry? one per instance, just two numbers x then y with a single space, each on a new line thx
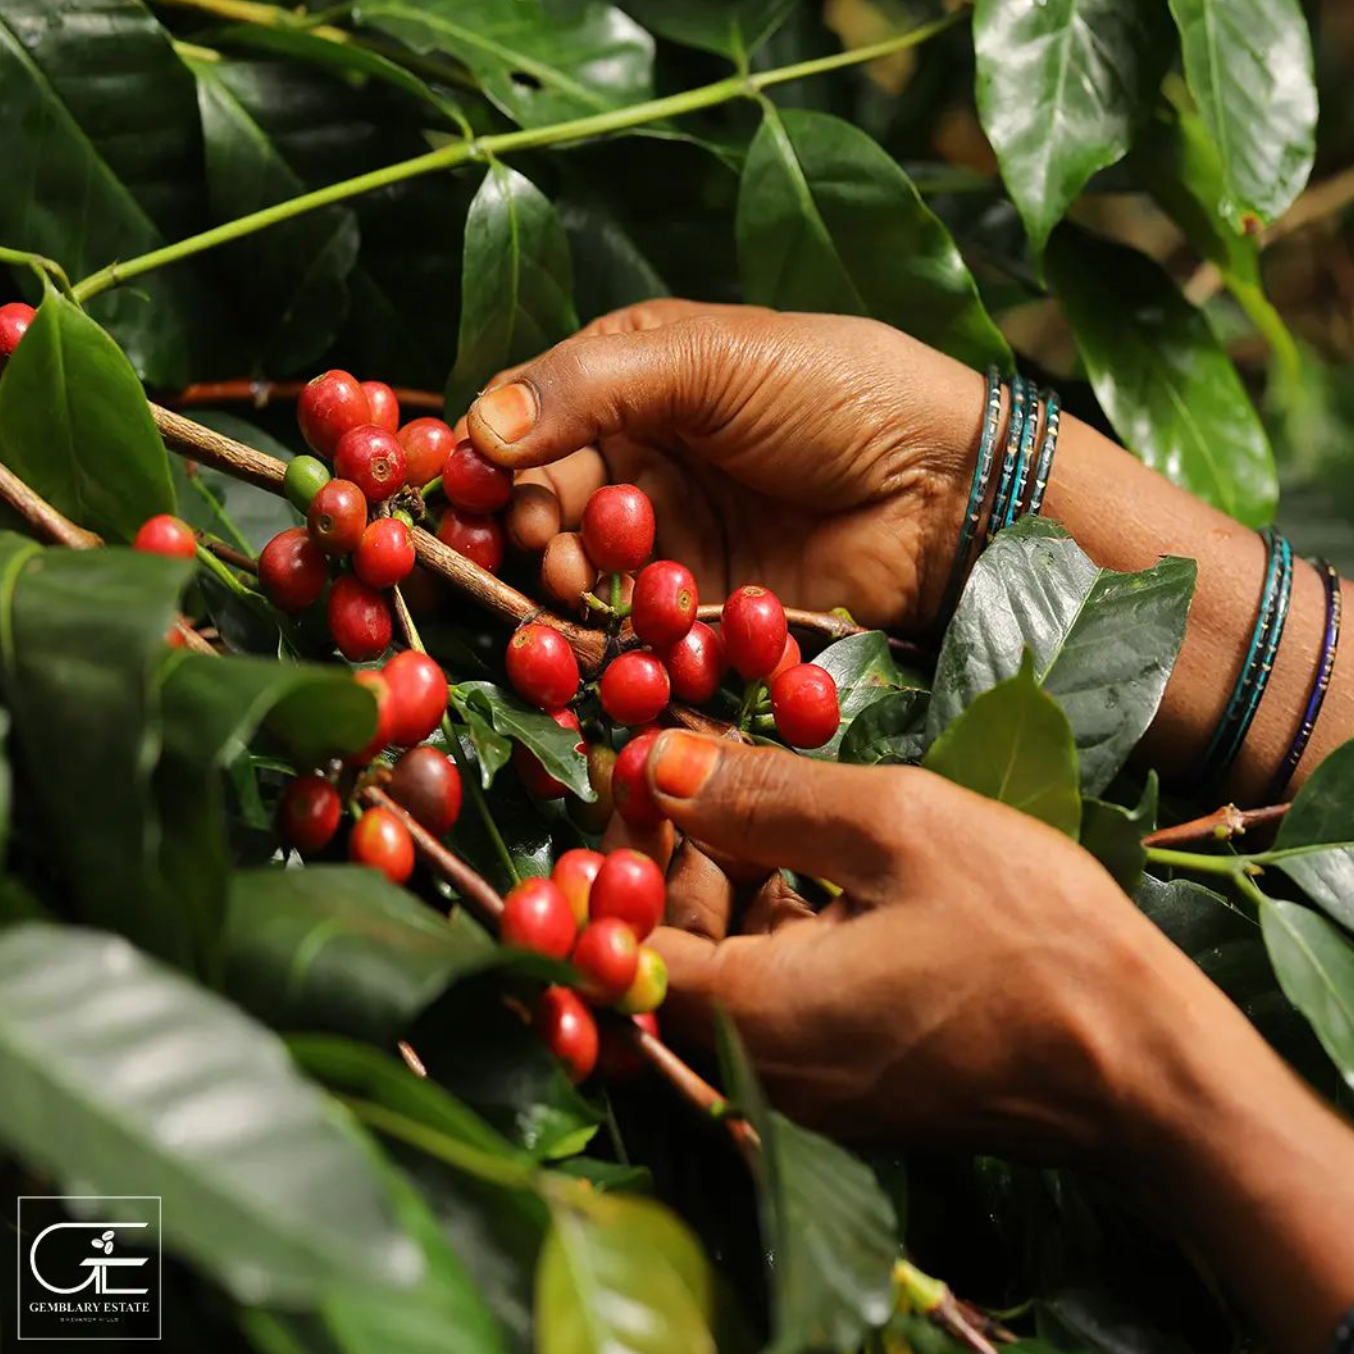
305 477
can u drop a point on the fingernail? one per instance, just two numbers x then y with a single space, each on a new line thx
509 412
682 763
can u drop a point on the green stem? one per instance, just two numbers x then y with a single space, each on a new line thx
215 566
470 778
1199 863
222 516
751 694
44 267
504 143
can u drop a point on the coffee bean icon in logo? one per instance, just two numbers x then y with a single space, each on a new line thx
104 1243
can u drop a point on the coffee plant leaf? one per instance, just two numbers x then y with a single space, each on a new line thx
865 670
890 729
735 30
610 269
1315 843
554 747
1113 834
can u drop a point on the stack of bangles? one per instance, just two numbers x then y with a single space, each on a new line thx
1021 480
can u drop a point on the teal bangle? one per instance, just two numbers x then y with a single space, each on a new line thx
1047 448
1015 429
1024 460
982 478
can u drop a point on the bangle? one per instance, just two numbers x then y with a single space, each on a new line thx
1320 683
1025 463
1021 390
982 476
1044 466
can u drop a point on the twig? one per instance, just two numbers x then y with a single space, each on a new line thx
833 626
261 394
688 717
237 559
1219 826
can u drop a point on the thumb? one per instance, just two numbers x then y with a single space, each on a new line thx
593 386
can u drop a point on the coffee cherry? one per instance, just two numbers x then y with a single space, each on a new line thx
473 484
695 664
630 887
373 459
789 657
292 570
752 626
418 687
359 619
165 534
425 781
385 717
618 528
567 1028
804 703
381 841
337 517
649 987
427 443
305 477
664 609
616 1059
542 667
607 958
574 872
634 688
566 571
594 815
308 813
14 321
630 791
479 539
537 916
539 782
385 554
382 406
328 407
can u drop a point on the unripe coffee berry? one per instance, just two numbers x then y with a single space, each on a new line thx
425 781
359 619
418 689
308 813
373 459
649 987
630 887
665 602
479 539
385 553
630 791
305 477
568 1029
634 689
574 872
328 407
292 570
789 657
165 534
337 517
804 703
382 406
594 815
542 667
618 528
15 317
695 664
474 484
385 716
607 958
752 626
539 782
537 917
566 571
427 443
381 841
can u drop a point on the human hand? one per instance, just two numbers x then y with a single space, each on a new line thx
827 457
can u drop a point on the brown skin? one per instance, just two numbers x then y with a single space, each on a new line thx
982 977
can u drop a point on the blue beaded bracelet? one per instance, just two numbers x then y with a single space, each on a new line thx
982 478
1021 391
1044 466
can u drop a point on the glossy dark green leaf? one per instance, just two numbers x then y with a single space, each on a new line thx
1113 834
556 748
1061 88
1091 1320
828 1230
1013 743
827 221
1103 643
865 670
610 269
890 729
1248 64
732 28
1162 377
124 1079
75 426
1315 845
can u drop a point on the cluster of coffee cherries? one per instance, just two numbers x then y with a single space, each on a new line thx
596 911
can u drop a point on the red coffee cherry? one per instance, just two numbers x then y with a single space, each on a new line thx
634 688
629 887
566 571
789 657
537 916
418 687
630 791
380 840
14 321
359 619
618 528
384 554
425 781
337 517
382 407
649 987
473 484
542 667
308 813
328 407
539 782
804 703
752 626
616 1060
479 539
292 570
664 608
607 958
427 443
165 534
695 664
574 872
567 1028
373 459
385 717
